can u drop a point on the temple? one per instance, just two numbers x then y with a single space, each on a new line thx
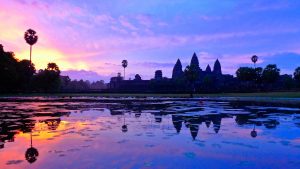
208 80
177 70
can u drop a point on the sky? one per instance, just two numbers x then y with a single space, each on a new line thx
89 39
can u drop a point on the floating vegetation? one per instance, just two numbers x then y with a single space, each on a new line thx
179 132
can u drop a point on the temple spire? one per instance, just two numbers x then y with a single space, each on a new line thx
194 60
208 69
195 63
217 68
177 70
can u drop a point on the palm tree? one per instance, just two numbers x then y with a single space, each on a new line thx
124 64
254 59
30 38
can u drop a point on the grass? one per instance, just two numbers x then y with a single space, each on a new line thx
265 94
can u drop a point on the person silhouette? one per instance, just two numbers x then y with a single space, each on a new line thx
31 153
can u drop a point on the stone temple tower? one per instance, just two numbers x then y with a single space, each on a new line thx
208 69
177 70
158 75
195 62
217 68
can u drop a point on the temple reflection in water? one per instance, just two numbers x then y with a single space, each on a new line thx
195 116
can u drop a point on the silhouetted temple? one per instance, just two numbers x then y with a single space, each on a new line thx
217 68
208 80
177 70
208 69
137 84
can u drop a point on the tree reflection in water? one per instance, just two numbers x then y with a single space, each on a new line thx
124 126
211 115
31 153
253 132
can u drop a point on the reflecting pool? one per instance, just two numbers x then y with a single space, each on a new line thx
92 132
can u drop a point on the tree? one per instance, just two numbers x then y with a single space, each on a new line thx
286 81
246 74
53 67
249 77
47 80
271 73
258 74
15 75
191 75
137 77
8 71
297 74
31 38
208 83
124 65
25 71
254 59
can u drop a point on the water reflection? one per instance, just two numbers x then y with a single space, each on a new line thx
14 119
124 126
253 132
31 153
196 120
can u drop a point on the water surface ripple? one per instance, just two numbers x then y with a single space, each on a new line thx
86 133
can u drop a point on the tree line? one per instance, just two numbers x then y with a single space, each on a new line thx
267 79
21 75
248 79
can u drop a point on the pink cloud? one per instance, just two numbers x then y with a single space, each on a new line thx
124 22
76 38
104 19
145 20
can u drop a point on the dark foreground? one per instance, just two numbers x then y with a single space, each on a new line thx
147 133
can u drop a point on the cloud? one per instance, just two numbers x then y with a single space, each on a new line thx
104 19
155 64
269 5
124 22
85 75
210 18
145 20
79 35
287 61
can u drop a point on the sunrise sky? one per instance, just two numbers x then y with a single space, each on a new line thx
89 39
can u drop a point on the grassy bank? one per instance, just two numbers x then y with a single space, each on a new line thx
269 94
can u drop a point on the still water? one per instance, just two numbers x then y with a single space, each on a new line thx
87 133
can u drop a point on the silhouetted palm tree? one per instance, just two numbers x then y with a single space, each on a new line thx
31 38
124 64
254 59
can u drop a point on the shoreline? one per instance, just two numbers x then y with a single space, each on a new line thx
290 94
280 98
